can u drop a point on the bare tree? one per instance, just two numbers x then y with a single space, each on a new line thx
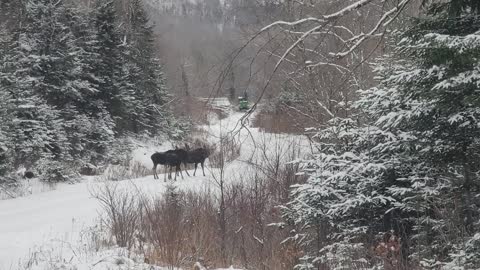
321 53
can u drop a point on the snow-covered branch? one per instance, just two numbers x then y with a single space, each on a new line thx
384 21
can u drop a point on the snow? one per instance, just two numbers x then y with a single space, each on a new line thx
29 222
52 218
104 260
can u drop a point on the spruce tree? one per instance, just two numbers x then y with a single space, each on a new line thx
35 130
91 129
71 83
113 88
145 73
5 140
410 166
51 91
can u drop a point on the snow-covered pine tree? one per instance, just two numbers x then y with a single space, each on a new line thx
48 72
71 82
114 90
145 73
10 13
410 174
5 117
91 129
35 129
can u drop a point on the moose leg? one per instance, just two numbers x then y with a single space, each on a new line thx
203 168
186 169
155 171
195 169
180 169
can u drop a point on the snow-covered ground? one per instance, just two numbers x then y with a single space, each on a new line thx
53 223
60 216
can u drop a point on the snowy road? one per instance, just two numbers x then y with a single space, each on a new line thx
33 220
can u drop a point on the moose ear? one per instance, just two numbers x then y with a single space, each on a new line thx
186 146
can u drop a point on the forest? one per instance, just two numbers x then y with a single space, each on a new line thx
357 145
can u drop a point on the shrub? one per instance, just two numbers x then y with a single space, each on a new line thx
121 213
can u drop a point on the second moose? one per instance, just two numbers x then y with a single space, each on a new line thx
196 156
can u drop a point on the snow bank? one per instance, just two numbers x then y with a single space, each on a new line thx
28 223
103 260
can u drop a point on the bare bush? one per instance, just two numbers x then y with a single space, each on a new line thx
199 111
227 150
163 226
275 161
121 213
201 213
251 241
254 230
130 170
248 206
178 229
282 120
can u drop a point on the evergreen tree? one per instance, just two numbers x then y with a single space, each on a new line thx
91 128
71 82
5 116
5 143
113 88
35 130
412 170
52 91
10 13
144 73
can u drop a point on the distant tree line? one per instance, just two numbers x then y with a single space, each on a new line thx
72 81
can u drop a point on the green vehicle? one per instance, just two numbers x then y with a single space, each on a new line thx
243 104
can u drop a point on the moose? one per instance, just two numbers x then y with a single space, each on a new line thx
169 159
196 156
177 156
